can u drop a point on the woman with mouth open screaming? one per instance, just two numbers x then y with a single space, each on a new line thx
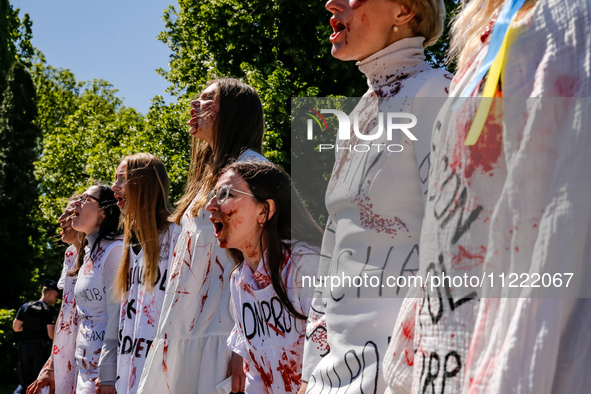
374 198
97 216
260 219
141 188
189 353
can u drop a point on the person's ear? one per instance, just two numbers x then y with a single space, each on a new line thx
272 208
402 14
267 212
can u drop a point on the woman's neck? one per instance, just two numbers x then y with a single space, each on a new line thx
252 258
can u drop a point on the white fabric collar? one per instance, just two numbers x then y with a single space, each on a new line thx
396 61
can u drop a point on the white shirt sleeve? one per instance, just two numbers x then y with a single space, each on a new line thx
108 359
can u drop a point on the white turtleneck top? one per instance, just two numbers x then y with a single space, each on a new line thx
375 205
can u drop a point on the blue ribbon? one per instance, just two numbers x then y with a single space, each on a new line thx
509 10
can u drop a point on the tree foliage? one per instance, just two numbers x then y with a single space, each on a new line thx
18 150
279 47
87 131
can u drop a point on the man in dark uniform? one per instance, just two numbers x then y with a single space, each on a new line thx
35 325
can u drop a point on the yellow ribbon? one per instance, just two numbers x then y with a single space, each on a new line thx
488 93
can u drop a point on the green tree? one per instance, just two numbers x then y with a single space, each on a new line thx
86 132
279 47
19 139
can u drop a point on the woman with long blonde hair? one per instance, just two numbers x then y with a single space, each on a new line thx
190 353
141 188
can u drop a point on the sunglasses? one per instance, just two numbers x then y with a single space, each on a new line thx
223 193
84 198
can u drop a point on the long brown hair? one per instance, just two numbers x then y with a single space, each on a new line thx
108 229
238 127
291 220
146 197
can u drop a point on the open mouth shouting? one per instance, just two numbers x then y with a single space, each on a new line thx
218 226
120 200
194 121
338 27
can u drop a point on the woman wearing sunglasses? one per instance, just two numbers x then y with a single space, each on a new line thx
97 216
141 188
258 216
189 353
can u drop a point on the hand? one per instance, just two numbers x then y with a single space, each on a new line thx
303 388
45 378
236 370
106 389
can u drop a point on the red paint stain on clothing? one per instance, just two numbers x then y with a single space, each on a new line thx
371 221
567 86
485 154
278 331
217 261
262 279
246 287
148 312
320 339
206 277
132 377
409 359
408 329
290 373
203 300
164 357
266 377
192 325
460 260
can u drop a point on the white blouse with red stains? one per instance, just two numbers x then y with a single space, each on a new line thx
66 329
189 353
514 203
266 335
98 312
140 312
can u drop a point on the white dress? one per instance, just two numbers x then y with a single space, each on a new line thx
98 312
518 203
266 335
66 329
140 313
189 353
375 206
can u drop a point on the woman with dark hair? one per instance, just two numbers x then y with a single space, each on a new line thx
97 216
189 353
141 188
251 209
60 372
